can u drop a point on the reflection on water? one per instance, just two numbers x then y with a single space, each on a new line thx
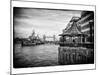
35 56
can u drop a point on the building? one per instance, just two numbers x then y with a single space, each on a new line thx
83 25
72 33
86 25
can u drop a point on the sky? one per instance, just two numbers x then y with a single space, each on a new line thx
43 21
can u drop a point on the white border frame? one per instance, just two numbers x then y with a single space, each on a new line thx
51 6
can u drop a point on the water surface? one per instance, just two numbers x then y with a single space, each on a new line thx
35 56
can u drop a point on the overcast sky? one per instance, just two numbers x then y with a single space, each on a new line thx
43 21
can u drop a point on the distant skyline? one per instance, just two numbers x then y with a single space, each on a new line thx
42 21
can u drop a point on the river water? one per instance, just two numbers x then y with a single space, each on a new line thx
35 56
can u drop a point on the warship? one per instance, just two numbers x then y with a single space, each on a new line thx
32 40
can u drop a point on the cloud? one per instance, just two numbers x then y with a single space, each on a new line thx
43 21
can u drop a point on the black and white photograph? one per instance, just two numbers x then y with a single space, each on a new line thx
47 37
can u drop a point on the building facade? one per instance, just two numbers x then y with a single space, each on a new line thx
86 25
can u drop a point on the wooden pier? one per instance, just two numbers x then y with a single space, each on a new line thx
75 55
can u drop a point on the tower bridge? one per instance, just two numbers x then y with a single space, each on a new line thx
50 39
47 38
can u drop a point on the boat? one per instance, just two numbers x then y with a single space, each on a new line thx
32 40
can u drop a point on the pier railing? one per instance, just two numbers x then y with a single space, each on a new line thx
87 45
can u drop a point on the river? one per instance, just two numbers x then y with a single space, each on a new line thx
35 56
